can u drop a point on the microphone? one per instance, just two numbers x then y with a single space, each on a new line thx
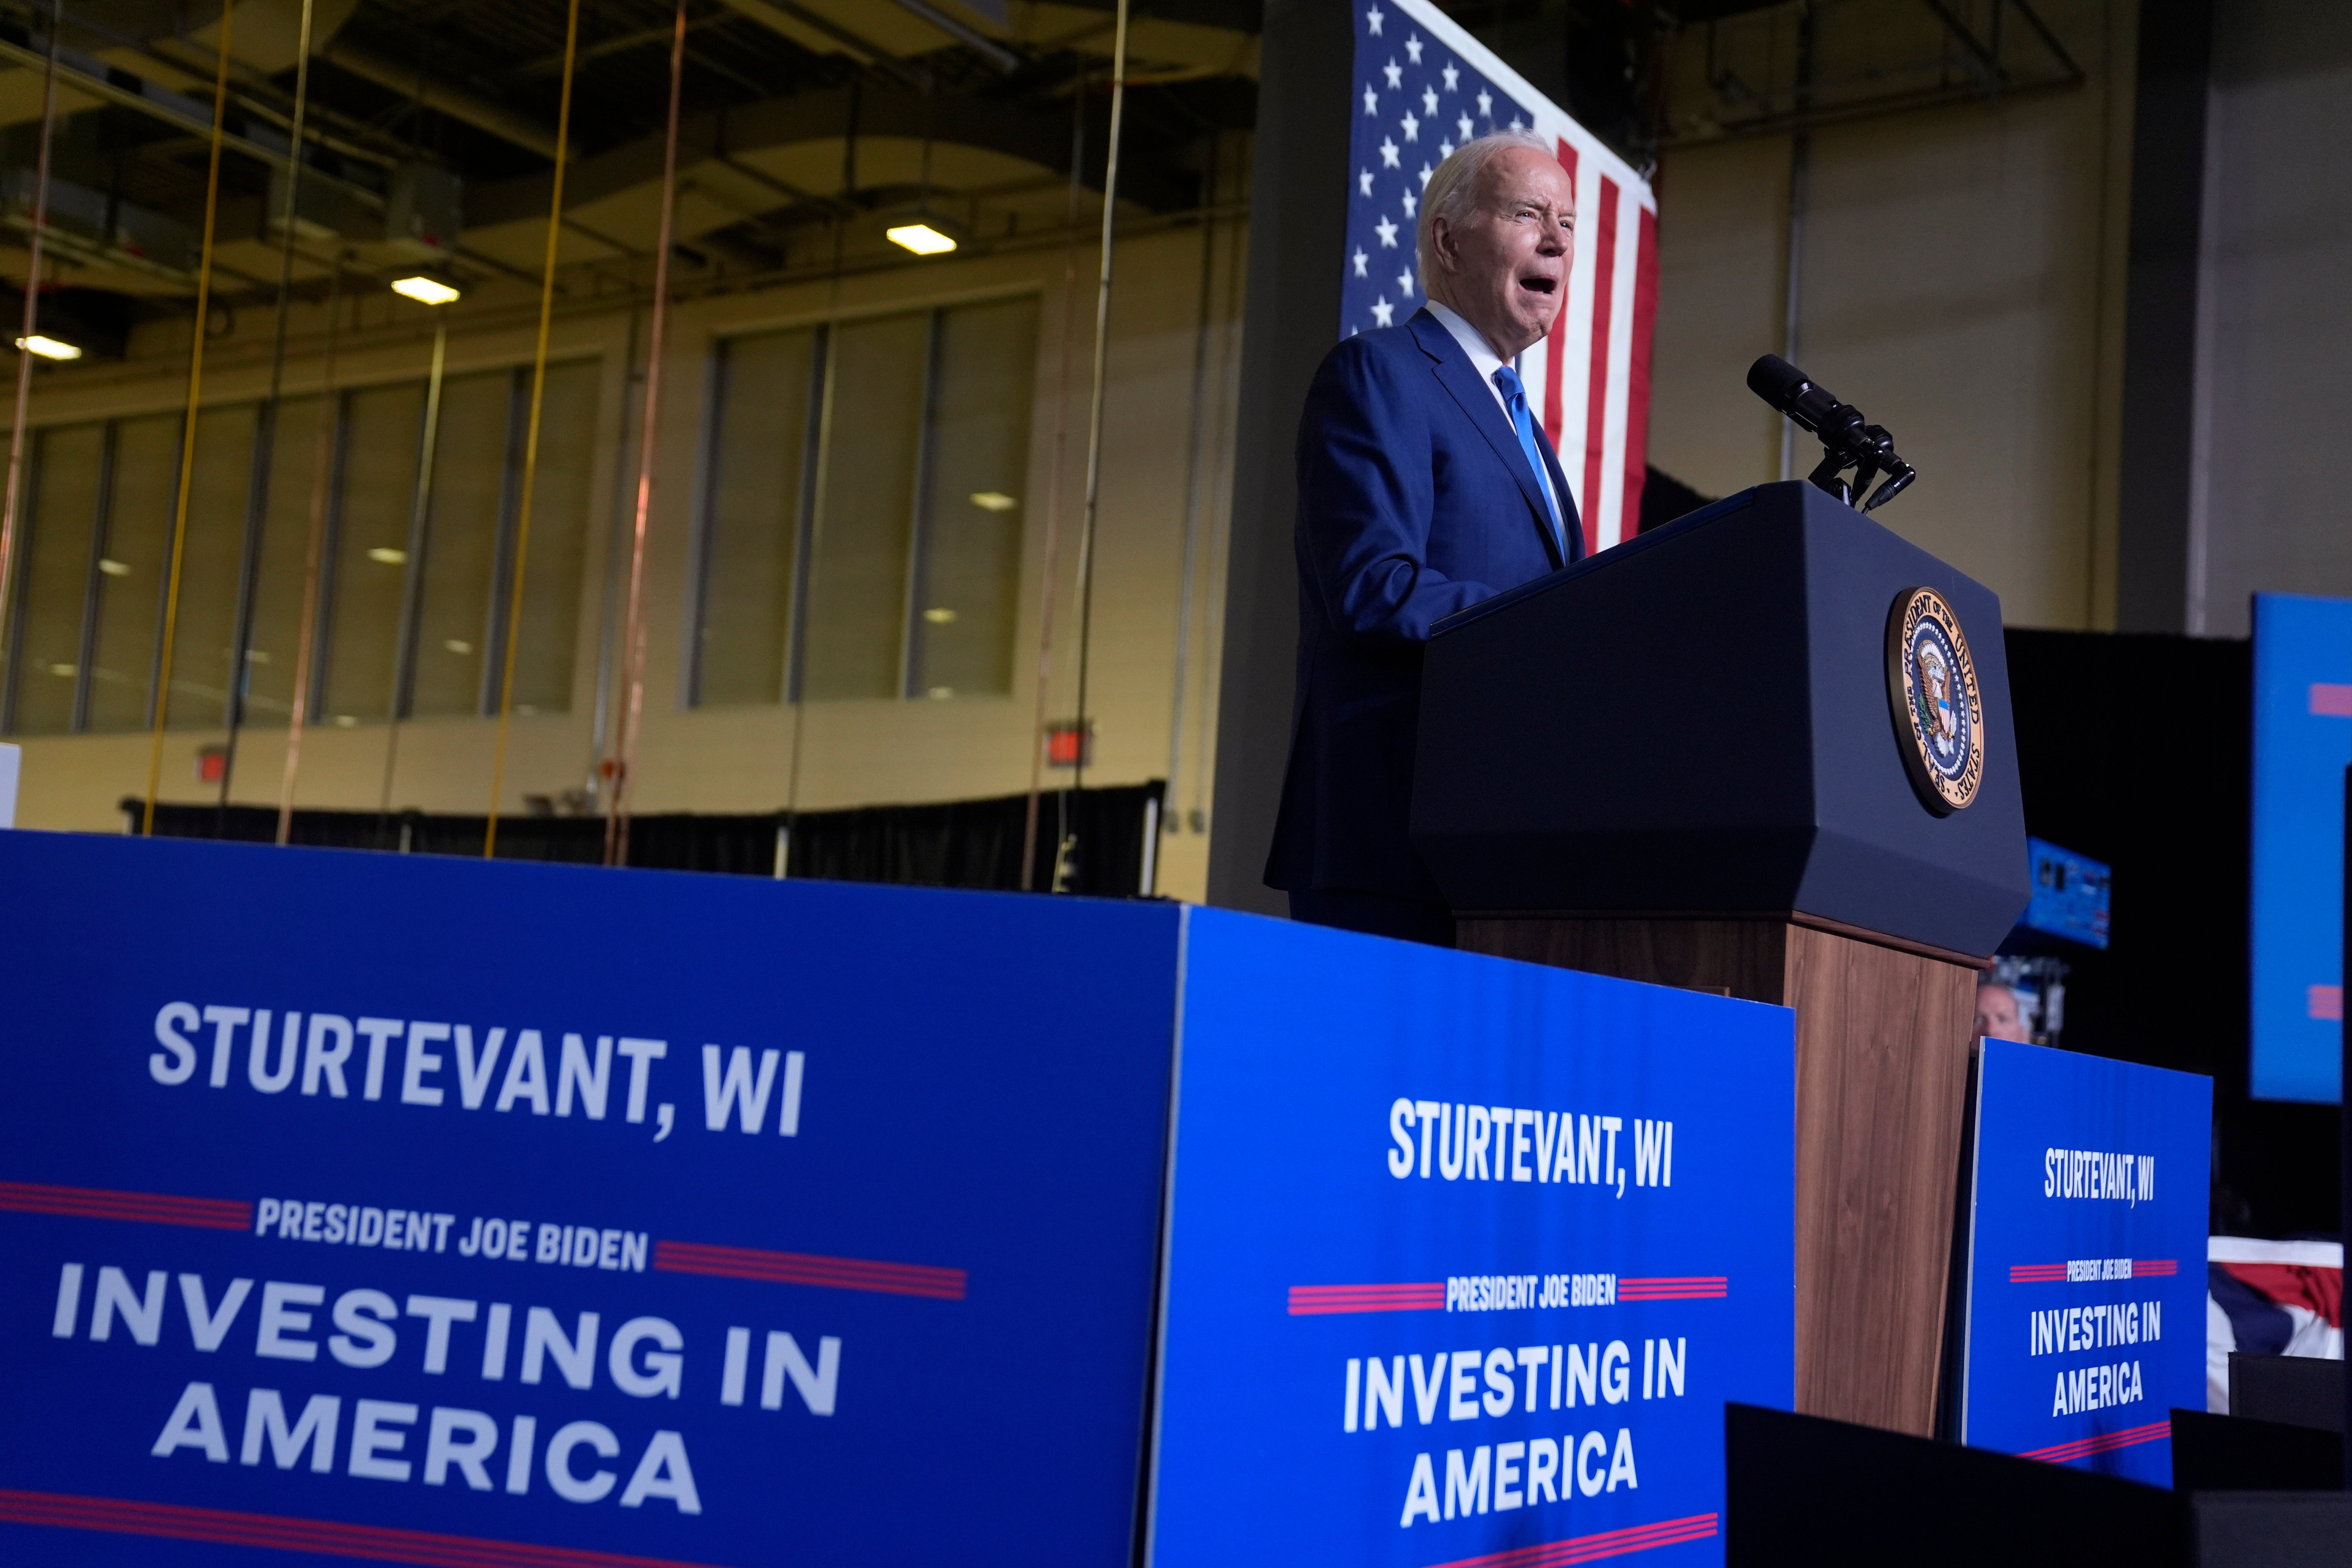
1847 441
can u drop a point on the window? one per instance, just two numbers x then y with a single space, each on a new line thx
472 493
978 465
83 639
275 641
367 560
55 573
764 391
862 524
204 630
549 629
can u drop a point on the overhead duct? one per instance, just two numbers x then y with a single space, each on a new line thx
423 213
442 98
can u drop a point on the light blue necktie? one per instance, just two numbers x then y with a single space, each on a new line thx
1515 398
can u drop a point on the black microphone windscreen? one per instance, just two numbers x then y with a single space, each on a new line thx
1775 380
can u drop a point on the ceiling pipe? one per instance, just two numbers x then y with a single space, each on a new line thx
443 98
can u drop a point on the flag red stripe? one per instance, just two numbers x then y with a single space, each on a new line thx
1596 407
1637 375
1556 344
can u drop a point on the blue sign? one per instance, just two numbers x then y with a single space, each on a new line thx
2303 740
430 1210
2070 894
2084 1319
1465 1256
426 1211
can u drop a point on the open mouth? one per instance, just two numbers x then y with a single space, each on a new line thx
1539 283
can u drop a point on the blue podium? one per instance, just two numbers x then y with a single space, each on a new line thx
1763 751
413 1210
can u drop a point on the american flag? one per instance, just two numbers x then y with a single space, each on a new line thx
1425 87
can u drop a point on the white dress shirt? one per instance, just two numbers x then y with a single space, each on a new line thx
1484 359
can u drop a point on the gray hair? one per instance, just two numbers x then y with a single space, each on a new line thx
1452 190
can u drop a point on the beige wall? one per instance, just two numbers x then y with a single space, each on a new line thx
740 760
1961 283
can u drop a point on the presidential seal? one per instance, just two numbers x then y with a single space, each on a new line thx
1931 684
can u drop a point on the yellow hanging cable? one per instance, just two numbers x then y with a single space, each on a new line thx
530 441
188 428
32 314
265 430
633 653
322 460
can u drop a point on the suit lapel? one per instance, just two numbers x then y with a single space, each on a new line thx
1476 401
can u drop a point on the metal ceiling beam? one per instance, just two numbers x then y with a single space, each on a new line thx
125 90
1985 62
443 98
1038 137
821 35
971 39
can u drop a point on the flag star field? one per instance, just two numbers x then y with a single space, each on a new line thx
1416 101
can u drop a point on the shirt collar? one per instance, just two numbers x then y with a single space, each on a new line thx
1474 342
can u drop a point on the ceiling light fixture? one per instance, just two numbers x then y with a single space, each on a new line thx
921 239
48 348
427 287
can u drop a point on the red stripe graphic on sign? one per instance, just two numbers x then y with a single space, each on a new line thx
153 1208
378 1543
2104 1442
1596 408
1591 1548
1319 1301
809 1268
2048 1273
1684 1287
1637 375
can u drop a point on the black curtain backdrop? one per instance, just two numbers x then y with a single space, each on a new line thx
960 844
1665 497
2137 750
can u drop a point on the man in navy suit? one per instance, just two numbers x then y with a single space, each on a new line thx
1424 486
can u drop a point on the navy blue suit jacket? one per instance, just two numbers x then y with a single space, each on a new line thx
1414 501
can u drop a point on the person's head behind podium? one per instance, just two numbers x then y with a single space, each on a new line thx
1497 237
1997 1015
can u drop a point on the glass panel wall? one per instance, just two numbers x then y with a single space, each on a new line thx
215 545
54 575
761 440
275 641
548 638
382 427
473 488
861 547
83 636
969 589
130 571
917 429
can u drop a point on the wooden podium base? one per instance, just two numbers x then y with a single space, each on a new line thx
1883 1034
